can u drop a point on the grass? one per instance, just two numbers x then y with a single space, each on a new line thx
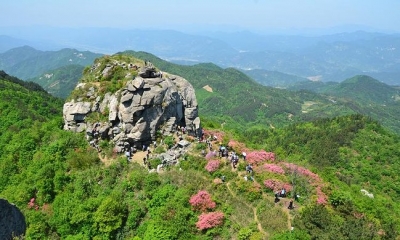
267 211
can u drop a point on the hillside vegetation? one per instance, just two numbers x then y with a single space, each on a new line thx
61 81
67 192
364 95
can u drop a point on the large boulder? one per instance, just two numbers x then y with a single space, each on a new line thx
147 104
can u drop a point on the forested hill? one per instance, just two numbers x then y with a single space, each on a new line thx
228 96
344 169
22 103
232 97
27 84
365 89
61 81
26 62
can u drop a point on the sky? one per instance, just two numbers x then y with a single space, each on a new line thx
192 15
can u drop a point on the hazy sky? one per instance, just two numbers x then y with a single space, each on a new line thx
254 15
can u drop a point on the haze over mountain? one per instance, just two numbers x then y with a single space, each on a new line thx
286 36
325 58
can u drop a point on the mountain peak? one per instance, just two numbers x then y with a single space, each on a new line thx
365 89
128 101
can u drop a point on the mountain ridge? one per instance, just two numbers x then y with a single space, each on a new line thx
374 53
27 62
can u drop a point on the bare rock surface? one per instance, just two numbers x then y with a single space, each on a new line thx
151 103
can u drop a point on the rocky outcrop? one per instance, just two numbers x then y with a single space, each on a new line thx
151 103
12 222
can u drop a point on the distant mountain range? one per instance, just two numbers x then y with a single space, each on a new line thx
241 101
26 62
329 58
237 98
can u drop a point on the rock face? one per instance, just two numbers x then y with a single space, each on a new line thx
12 222
152 103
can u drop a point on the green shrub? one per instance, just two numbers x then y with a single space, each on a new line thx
159 149
154 162
80 159
151 183
245 233
169 141
193 162
201 146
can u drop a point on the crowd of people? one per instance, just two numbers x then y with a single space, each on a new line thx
231 156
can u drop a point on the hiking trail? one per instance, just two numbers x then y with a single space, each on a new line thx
259 227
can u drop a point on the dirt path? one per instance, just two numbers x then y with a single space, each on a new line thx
137 157
285 203
254 211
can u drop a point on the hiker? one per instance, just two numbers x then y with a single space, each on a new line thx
249 168
148 165
276 197
283 192
223 178
144 147
235 161
291 206
225 154
144 161
128 155
244 156
296 197
203 153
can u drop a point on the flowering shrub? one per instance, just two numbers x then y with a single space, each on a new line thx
237 146
212 165
314 180
272 184
46 208
212 133
303 171
32 204
210 220
202 201
276 185
211 154
256 157
321 196
273 168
